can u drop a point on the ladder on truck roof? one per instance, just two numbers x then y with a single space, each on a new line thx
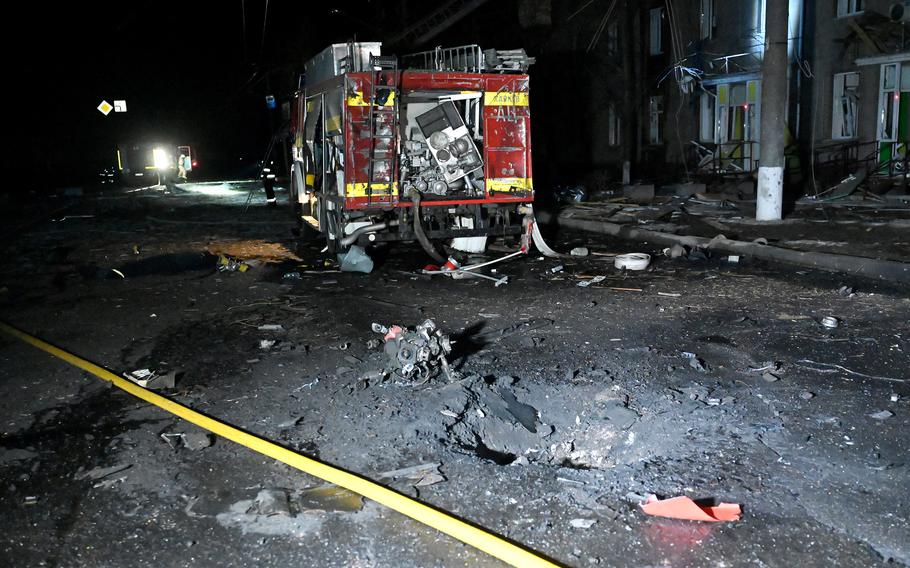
383 105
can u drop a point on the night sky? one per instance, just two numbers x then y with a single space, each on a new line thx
186 70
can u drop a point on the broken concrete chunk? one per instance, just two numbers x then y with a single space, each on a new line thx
769 377
620 415
271 502
806 395
198 440
881 415
429 479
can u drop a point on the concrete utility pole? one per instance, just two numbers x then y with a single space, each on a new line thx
773 113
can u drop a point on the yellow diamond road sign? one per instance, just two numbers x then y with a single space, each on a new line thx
105 108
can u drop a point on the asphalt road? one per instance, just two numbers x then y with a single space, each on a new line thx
813 447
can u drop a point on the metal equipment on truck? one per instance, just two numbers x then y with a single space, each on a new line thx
436 149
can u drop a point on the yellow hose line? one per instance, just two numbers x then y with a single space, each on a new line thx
444 522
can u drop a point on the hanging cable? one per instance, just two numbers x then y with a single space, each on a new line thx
265 19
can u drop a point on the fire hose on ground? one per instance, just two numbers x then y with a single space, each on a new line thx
464 531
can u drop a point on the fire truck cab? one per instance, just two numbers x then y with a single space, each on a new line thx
439 149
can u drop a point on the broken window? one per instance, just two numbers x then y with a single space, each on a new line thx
614 126
889 102
706 19
849 7
845 106
655 109
656 27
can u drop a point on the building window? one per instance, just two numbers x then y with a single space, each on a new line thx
889 102
614 126
655 109
845 106
849 8
706 19
758 16
656 29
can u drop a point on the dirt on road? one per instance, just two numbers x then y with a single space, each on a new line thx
569 405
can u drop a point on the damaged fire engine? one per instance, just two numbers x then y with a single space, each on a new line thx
437 149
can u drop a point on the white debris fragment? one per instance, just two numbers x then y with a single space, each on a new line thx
595 280
266 344
582 523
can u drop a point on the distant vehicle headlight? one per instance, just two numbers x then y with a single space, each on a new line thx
160 158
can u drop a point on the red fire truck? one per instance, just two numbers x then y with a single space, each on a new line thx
436 149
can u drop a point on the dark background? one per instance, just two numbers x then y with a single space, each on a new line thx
189 74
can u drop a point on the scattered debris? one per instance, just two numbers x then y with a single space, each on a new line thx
881 415
696 362
833 368
772 366
292 275
355 260
147 379
421 475
557 269
30 500
582 523
846 291
807 395
228 264
621 415
328 498
420 351
595 280
271 327
570 194
830 322
266 344
632 261
685 508
196 440
270 502
769 377
101 472
579 251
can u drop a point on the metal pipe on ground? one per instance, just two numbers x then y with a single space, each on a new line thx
874 268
